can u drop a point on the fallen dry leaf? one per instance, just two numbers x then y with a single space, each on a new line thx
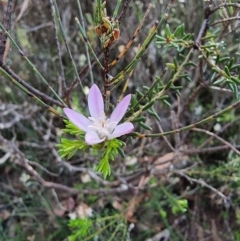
164 161
7 47
31 238
117 205
4 214
83 211
214 231
24 7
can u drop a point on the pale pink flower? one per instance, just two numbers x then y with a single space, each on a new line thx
98 127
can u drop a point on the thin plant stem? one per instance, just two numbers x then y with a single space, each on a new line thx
122 75
98 11
29 93
32 65
66 44
128 45
87 42
166 87
63 86
29 87
201 122
218 138
115 231
150 89
124 10
86 45
152 33
116 9
7 25
100 230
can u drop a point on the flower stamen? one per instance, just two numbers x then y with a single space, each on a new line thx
102 126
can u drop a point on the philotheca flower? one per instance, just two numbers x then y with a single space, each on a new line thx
98 126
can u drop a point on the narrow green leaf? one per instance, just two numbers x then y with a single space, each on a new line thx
178 31
170 66
236 80
160 38
227 71
166 103
139 93
141 118
223 59
148 105
168 31
219 81
144 126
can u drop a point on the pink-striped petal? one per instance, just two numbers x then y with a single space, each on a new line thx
120 109
92 138
77 119
95 102
121 130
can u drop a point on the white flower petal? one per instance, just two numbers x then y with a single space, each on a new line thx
121 130
95 102
120 109
92 138
77 119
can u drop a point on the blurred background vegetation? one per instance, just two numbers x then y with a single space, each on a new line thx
185 186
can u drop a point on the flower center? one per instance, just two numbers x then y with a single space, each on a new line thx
102 126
